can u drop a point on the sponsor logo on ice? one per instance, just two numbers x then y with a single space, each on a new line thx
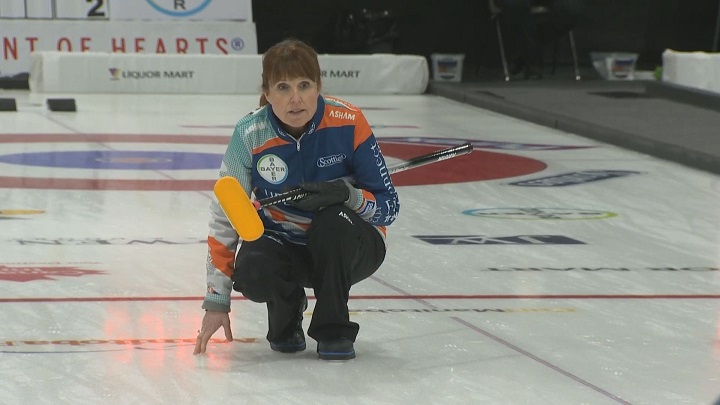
34 273
574 178
530 213
101 241
498 240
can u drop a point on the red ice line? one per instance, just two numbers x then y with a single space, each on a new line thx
391 297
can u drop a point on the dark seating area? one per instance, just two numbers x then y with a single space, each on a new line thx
532 28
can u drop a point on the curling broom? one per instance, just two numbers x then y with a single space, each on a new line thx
242 213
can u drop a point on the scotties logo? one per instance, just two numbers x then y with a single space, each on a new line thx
331 160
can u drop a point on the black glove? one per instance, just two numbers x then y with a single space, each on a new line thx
323 194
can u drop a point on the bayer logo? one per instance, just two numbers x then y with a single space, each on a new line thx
179 8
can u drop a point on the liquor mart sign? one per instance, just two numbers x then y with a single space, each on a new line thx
238 10
19 38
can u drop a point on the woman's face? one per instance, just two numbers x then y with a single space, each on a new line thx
294 102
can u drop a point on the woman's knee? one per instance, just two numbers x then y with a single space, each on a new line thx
251 279
334 226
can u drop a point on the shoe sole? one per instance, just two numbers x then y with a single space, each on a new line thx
288 349
336 355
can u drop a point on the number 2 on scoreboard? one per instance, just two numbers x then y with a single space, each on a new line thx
94 10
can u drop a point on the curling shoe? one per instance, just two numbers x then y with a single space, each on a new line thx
336 349
296 342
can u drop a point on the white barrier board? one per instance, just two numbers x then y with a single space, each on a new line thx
94 72
19 38
698 70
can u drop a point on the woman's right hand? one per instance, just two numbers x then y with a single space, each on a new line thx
212 321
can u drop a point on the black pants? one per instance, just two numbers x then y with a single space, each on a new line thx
342 250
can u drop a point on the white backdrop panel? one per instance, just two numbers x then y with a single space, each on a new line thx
698 70
94 72
22 37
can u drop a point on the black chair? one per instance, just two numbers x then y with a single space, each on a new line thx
547 30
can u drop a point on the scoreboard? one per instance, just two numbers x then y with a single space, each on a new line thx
222 27
79 9
54 9
208 10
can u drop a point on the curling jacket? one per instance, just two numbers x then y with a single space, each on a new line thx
267 161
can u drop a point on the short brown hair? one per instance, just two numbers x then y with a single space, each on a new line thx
289 59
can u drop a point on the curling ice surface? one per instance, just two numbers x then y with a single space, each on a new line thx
487 295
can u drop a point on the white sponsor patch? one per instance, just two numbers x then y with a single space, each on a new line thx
272 168
369 209
331 160
343 115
